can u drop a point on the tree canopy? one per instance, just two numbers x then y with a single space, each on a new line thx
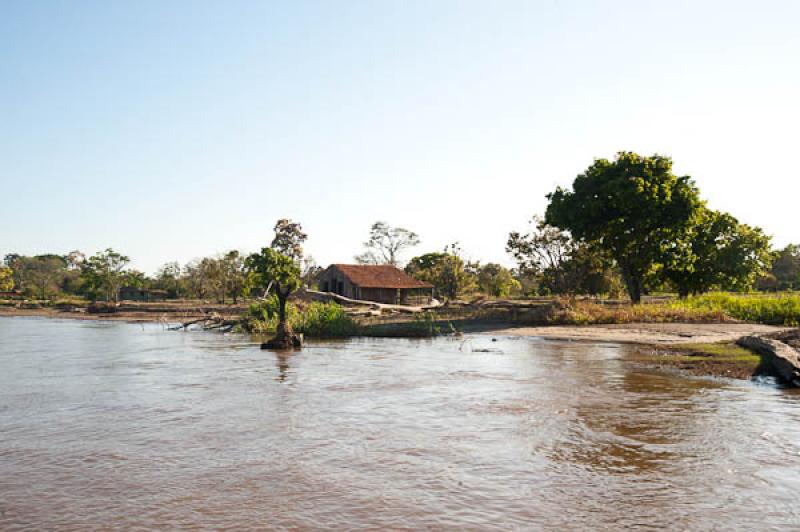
103 275
270 268
6 279
716 250
497 281
386 244
786 268
633 207
289 238
447 271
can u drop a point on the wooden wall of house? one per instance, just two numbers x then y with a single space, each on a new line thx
379 295
417 296
332 280
394 296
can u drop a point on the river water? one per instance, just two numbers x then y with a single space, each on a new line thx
113 425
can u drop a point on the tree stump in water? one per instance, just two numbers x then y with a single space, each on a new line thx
285 338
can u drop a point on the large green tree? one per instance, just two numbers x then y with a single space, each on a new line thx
633 207
716 251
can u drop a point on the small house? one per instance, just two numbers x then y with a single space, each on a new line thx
380 283
130 293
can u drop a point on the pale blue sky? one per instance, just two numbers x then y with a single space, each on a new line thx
171 130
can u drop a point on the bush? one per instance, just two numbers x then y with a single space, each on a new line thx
320 320
324 320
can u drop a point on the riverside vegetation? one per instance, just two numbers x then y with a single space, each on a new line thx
626 226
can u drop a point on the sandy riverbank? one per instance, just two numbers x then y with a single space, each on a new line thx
699 349
177 315
703 349
645 333
627 333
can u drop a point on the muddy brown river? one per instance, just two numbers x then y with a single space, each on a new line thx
122 426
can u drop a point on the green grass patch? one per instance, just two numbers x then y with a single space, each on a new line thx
772 309
723 359
719 350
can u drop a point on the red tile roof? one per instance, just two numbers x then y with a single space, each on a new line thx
379 276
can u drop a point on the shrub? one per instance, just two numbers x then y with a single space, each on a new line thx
320 320
324 320
262 317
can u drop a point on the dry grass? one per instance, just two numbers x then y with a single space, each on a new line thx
587 313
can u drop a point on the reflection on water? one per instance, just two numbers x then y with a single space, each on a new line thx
118 426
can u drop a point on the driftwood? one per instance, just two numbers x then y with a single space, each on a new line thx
781 359
346 301
210 322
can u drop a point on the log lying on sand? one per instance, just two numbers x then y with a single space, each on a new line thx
346 301
781 359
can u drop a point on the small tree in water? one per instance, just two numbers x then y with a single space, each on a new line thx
278 268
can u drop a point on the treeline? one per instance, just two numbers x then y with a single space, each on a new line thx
656 230
627 226
222 278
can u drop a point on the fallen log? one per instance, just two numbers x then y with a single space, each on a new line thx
187 324
781 359
209 322
346 301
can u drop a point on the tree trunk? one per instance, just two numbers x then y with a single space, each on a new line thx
634 285
285 338
281 305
